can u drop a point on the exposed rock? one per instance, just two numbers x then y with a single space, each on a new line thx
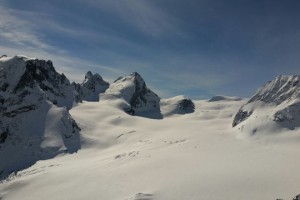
240 116
186 106
297 197
91 87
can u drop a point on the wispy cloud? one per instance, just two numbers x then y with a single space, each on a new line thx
19 32
143 16
20 36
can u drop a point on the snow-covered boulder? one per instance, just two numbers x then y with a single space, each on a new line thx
34 119
177 105
276 105
91 87
136 98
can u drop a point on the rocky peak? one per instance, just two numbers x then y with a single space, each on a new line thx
279 98
21 76
280 89
88 75
91 87
135 92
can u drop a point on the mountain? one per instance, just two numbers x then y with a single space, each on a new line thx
35 122
274 106
91 87
133 96
224 98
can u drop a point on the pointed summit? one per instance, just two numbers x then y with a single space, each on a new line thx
91 87
133 90
88 75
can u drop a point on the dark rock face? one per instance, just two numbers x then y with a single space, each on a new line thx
91 87
3 136
37 78
240 116
129 111
141 94
186 106
297 197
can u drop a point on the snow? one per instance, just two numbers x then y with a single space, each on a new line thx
192 156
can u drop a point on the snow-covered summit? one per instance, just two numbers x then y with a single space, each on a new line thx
136 96
273 106
91 87
25 75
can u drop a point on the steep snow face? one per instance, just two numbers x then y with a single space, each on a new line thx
91 87
132 95
276 105
34 97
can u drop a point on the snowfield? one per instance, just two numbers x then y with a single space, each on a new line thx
195 156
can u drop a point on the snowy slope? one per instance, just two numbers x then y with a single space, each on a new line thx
194 156
35 123
91 87
274 107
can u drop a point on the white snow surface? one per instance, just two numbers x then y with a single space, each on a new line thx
194 156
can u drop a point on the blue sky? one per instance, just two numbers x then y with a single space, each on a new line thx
197 48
